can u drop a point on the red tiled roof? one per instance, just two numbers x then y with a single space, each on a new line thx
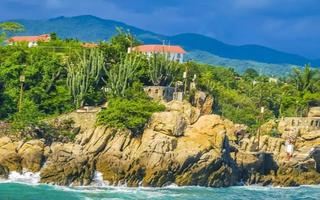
89 45
159 48
43 38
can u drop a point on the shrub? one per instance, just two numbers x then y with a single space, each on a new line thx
131 112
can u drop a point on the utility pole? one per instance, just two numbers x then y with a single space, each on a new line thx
259 124
22 79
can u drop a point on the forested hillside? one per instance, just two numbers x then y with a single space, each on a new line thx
200 48
61 75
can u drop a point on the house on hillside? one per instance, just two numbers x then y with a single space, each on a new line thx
172 52
32 41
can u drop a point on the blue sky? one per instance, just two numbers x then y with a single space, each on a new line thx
288 25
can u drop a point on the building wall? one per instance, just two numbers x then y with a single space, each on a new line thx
159 93
294 126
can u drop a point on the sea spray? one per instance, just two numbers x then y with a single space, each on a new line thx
24 177
98 181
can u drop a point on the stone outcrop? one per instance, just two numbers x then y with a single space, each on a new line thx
178 146
9 157
194 156
275 166
314 112
67 165
184 145
32 155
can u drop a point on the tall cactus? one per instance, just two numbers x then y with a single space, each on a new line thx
162 70
83 71
120 75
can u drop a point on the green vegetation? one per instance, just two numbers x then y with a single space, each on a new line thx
61 76
132 111
9 27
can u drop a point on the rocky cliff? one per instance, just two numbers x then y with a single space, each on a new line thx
185 145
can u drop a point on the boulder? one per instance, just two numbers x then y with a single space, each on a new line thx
32 155
169 123
67 165
9 157
203 102
191 113
314 112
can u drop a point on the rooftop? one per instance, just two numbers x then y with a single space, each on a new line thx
43 38
159 48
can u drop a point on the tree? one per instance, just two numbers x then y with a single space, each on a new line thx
250 74
304 80
9 27
84 71
131 112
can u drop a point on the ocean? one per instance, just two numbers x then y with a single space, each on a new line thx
26 187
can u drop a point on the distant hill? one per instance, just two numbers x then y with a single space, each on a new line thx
201 48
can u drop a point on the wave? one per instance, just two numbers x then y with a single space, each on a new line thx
25 177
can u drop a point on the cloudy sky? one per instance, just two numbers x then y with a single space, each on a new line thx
288 25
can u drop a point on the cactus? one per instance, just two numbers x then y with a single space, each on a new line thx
83 72
120 75
162 70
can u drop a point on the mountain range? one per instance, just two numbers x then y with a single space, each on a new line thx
199 47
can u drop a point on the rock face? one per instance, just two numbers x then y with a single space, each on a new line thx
9 157
67 165
178 146
314 112
184 145
275 166
194 156
32 155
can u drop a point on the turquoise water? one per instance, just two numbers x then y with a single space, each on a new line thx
16 191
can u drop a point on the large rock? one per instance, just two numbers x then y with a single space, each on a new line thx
31 154
203 102
200 156
191 113
169 123
314 112
9 157
67 165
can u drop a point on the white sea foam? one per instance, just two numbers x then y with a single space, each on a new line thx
24 177
98 181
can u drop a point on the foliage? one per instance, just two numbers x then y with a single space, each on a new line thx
121 75
83 72
45 80
132 112
61 73
162 70
9 27
28 117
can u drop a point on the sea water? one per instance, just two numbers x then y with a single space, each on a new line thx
26 187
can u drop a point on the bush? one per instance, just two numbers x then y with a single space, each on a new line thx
132 112
28 117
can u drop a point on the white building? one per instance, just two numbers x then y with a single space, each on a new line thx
175 53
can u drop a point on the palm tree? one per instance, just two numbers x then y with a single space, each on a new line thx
304 79
305 82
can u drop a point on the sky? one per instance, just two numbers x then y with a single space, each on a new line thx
287 25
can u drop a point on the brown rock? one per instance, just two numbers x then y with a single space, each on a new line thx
169 123
67 165
9 158
32 156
